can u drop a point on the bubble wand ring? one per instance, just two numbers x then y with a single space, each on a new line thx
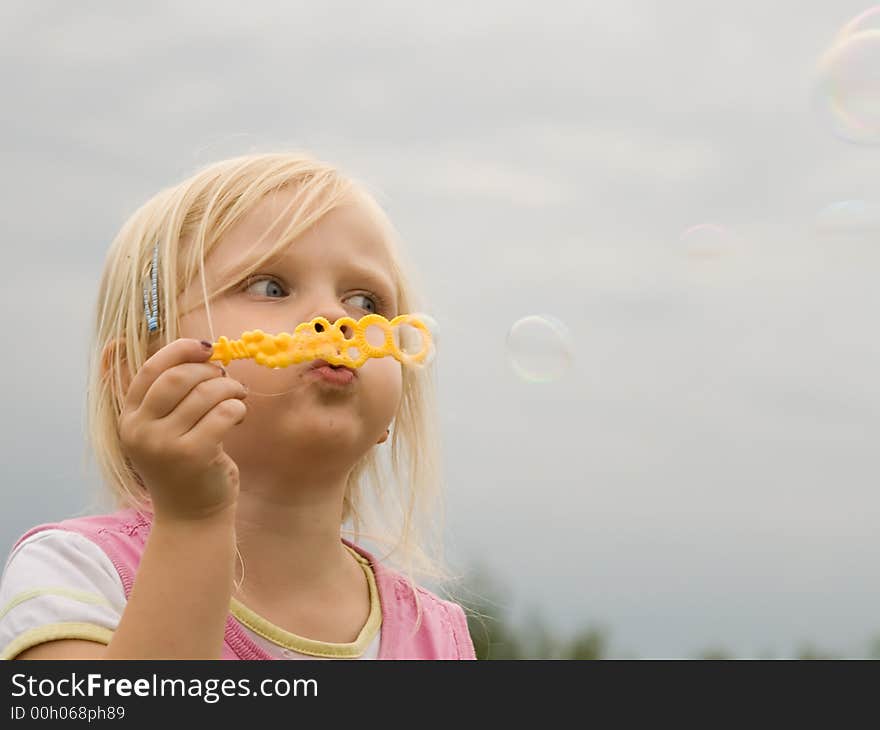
321 340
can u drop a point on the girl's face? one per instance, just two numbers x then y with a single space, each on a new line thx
339 267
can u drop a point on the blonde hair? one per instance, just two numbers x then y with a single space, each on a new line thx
404 513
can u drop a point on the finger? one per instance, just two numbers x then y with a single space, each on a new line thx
173 386
216 423
183 350
200 401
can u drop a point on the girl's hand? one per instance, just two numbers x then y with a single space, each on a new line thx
176 413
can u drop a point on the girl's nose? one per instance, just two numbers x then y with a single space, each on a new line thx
331 314
347 331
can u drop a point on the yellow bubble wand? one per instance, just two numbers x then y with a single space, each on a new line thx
320 339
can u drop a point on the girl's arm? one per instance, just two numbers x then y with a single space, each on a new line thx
180 598
176 413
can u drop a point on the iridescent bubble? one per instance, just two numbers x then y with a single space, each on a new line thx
849 217
707 240
432 324
411 339
868 20
847 85
539 348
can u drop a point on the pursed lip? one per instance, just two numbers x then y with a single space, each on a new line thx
322 363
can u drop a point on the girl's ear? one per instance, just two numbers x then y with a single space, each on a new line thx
384 436
108 357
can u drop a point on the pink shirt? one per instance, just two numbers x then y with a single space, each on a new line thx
442 632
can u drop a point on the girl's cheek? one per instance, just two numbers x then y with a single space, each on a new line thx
387 366
385 374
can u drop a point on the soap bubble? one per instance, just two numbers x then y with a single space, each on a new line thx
432 324
411 340
707 240
539 348
868 20
849 217
847 84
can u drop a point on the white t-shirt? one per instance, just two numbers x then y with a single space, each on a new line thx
59 577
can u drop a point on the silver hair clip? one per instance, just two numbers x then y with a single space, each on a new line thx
152 314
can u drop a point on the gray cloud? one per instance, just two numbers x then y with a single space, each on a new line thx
705 472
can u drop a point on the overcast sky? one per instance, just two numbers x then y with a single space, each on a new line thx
706 474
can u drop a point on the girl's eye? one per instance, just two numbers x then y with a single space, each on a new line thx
271 287
372 301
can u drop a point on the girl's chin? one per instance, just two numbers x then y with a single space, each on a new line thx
318 422
321 426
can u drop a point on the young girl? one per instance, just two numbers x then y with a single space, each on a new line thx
226 539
